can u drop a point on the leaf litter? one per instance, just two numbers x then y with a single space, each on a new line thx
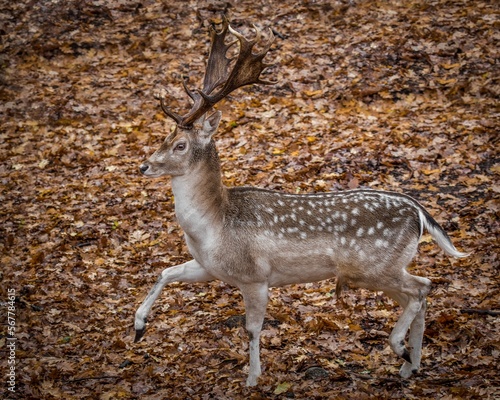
389 95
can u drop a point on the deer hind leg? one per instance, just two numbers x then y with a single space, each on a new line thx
412 297
415 343
191 271
255 297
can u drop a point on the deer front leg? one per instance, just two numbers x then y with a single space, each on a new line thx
255 297
191 271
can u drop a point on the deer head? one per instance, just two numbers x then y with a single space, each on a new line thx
223 75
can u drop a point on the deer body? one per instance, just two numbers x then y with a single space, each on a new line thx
255 239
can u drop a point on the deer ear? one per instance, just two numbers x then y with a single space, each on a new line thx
210 125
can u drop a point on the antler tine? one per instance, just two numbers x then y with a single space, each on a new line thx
263 52
160 94
248 65
218 63
246 70
176 117
190 93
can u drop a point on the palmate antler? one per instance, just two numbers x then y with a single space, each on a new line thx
219 79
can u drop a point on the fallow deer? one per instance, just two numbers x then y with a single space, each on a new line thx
255 239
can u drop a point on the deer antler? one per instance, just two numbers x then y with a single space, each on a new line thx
246 70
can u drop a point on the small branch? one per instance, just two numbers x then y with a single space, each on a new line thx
480 311
90 378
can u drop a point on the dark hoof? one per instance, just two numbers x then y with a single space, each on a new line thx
139 333
406 356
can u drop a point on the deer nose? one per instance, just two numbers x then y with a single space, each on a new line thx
143 168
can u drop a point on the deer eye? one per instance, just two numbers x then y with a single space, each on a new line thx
180 146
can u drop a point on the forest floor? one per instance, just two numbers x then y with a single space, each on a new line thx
394 95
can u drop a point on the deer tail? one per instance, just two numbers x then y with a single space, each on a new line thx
439 235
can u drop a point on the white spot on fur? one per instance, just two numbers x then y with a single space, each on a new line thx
381 243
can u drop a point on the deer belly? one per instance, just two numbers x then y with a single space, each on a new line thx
300 266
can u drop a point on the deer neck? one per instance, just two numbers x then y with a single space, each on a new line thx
200 197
